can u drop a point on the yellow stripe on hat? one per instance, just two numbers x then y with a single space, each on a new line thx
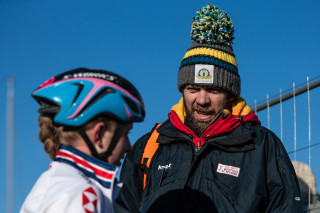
211 52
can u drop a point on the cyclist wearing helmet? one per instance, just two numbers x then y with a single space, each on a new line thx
85 117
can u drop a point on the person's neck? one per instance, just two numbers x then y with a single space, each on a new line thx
79 144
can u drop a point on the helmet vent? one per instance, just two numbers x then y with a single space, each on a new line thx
96 98
80 87
47 106
133 106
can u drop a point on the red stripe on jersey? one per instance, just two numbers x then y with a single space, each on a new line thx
86 165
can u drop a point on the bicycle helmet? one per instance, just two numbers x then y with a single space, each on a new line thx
75 97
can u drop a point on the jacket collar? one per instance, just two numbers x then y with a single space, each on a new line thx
239 140
98 170
225 123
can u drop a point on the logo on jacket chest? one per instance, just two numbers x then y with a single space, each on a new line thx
228 170
168 166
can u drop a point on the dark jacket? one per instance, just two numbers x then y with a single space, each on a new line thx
246 170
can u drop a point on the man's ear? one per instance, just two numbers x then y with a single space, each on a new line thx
98 130
231 97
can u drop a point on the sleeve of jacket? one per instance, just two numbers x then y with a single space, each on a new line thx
282 183
128 199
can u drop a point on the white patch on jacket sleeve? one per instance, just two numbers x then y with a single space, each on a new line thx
228 170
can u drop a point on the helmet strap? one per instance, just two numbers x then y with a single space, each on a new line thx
114 140
86 139
104 155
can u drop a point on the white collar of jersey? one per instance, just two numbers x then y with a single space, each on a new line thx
99 170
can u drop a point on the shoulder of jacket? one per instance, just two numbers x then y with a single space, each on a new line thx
267 137
138 148
50 189
142 141
264 131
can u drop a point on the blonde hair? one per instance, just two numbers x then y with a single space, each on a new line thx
52 136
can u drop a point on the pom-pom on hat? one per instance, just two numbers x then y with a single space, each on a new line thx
210 60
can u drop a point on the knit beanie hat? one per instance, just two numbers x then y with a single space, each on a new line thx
210 60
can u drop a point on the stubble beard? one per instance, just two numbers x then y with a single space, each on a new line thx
198 126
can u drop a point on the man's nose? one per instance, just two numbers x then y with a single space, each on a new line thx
203 98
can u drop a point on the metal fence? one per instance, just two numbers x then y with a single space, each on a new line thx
291 125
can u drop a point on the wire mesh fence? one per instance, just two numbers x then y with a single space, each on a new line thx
293 115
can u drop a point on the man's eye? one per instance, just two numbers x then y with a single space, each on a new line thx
214 91
193 89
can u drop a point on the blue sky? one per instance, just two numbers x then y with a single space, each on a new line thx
276 43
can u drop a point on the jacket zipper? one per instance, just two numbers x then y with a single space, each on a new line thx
204 134
161 177
225 194
197 152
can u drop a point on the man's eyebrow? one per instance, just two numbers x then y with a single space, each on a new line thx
192 86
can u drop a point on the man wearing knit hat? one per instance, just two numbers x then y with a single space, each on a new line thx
212 154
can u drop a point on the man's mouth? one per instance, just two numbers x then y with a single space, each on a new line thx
200 115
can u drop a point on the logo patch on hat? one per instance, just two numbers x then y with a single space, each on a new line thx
228 170
203 74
